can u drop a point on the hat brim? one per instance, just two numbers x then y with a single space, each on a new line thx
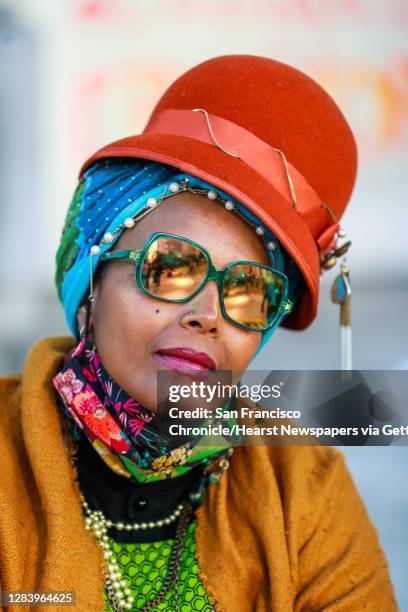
242 182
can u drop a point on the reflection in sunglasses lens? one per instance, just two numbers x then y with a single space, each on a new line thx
252 295
173 269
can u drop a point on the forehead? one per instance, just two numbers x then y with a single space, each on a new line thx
226 236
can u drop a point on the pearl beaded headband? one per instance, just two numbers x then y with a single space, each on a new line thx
152 203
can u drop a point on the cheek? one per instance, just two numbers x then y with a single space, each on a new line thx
125 323
243 346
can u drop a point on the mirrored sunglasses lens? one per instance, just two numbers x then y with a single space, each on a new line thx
173 269
252 295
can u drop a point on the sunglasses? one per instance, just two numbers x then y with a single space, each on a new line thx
174 269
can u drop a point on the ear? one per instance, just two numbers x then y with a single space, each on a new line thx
81 312
81 315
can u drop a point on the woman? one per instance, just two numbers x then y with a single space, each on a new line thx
246 165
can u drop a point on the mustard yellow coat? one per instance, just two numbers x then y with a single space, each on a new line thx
285 529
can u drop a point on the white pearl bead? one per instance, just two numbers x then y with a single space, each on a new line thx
143 526
342 232
151 524
260 230
229 205
108 237
123 583
151 202
95 250
174 187
136 526
211 195
167 521
128 527
271 245
160 523
128 605
108 554
127 591
119 526
129 222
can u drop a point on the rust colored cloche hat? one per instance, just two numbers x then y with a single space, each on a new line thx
270 136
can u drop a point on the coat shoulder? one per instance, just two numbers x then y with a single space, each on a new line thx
296 460
303 469
10 389
300 474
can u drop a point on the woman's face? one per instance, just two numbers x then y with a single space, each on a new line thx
129 328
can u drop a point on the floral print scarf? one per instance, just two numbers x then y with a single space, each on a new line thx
121 429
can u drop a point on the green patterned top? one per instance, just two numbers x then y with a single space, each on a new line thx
144 567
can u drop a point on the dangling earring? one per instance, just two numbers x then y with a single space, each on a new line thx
341 294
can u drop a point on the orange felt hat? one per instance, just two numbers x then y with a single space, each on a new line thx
270 136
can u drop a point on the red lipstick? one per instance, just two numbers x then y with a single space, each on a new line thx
185 360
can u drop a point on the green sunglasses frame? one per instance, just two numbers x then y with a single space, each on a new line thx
136 256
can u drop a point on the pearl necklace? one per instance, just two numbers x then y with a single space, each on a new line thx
97 515
119 592
95 521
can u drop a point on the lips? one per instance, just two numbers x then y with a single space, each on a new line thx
190 356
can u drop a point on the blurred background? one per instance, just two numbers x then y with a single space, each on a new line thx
77 74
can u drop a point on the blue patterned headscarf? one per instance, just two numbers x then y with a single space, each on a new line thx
112 190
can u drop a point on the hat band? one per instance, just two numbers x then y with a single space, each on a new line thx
259 155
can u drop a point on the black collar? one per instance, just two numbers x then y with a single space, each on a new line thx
125 501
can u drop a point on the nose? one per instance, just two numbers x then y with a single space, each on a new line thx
204 312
